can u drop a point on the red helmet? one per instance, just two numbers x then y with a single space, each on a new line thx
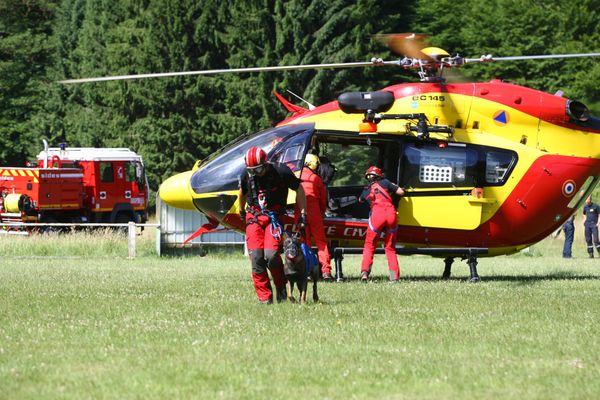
255 157
373 170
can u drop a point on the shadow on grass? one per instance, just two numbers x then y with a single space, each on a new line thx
555 276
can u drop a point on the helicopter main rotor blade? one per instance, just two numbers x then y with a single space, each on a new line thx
373 62
407 44
489 57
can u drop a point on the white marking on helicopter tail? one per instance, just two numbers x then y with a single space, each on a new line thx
569 188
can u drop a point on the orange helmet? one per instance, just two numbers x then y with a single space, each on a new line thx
255 157
374 172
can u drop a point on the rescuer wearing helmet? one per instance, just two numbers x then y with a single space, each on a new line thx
382 219
263 194
316 205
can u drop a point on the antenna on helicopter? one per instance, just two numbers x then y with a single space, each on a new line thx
310 106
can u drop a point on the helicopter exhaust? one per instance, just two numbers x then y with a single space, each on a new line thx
578 111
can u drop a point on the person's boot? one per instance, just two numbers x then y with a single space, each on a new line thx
327 277
364 276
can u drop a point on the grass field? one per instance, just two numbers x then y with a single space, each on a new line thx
77 319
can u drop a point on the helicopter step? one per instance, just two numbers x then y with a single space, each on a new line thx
465 253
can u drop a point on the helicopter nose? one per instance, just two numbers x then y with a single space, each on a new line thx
175 191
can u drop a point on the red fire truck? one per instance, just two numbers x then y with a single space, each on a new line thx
76 185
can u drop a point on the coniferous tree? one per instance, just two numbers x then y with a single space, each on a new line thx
514 27
25 54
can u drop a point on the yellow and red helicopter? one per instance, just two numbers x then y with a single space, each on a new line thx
489 168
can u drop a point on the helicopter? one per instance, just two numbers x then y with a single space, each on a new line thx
488 168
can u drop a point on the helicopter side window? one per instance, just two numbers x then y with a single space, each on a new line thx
497 166
290 151
430 165
455 164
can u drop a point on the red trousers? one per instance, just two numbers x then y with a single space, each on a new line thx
263 250
382 220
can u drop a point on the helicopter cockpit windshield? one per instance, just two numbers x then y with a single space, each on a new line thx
286 144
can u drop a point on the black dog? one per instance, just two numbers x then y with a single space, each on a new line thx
296 268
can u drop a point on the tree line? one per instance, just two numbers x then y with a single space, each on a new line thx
174 121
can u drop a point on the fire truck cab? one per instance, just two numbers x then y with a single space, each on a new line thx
76 185
115 188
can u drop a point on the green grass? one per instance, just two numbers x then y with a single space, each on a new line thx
93 243
97 327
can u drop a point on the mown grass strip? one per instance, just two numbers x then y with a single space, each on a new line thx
191 327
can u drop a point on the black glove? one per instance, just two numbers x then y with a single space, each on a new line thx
243 215
302 221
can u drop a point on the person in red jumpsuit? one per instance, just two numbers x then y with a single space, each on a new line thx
262 199
316 205
382 220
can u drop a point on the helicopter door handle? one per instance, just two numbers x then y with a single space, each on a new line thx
522 203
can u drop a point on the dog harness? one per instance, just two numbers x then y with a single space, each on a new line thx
275 227
310 258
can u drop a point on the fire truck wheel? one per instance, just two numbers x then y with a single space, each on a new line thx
122 218
50 230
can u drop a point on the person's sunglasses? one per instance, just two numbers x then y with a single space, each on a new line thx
259 169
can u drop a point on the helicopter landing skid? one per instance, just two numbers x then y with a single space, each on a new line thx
465 253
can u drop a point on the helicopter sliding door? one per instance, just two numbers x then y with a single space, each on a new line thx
440 177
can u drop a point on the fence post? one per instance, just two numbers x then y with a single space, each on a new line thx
158 240
131 239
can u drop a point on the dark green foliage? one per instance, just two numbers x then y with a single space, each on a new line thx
25 54
174 121
516 27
